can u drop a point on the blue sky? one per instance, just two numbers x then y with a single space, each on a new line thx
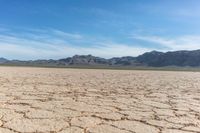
43 29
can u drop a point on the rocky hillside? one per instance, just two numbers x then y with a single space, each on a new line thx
176 58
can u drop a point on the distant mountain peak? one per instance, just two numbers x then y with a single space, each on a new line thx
154 52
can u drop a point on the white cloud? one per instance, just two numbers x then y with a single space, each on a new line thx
62 51
156 39
52 43
186 42
45 46
67 35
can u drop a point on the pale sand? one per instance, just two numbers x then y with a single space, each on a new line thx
49 100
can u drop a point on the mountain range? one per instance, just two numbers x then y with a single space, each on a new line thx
150 59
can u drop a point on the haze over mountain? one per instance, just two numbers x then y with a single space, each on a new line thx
153 59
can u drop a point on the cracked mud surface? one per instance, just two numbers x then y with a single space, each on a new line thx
42 100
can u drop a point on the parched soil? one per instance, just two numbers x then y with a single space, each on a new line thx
49 100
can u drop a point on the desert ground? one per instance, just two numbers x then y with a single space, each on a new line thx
52 100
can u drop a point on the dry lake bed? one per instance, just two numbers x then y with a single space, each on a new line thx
50 100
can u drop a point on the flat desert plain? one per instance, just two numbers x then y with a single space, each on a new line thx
50 100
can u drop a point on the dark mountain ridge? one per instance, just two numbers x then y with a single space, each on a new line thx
153 59
3 60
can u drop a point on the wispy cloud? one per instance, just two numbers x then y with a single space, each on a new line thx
186 42
55 44
66 35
